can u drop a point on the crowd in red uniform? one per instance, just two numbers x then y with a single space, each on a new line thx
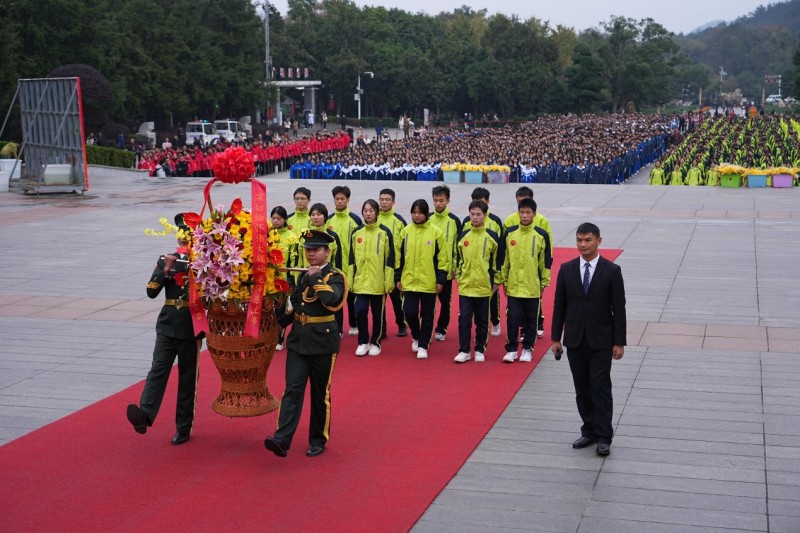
269 154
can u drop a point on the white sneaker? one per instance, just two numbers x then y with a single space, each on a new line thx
510 357
353 331
374 349
479 358
526 356
539 333
440 336
462 357
414 346
496 331
422 353
362 349
278 347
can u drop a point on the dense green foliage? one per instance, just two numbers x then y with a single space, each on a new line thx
172 61
110 157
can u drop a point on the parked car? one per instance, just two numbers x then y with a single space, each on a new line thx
774 99
203 131
230 129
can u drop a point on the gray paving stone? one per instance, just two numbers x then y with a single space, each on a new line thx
784 524
694 485
681 516
594 524
676 499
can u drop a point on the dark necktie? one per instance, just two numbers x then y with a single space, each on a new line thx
586 278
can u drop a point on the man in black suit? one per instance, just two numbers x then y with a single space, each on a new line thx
589 310
313 344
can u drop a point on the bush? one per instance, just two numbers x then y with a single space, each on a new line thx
110 157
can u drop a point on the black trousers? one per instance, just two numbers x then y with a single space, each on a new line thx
524 313
445 296
364 304
591 375
351 310
494 308
302 369
164 353
469 308
419 308
397 306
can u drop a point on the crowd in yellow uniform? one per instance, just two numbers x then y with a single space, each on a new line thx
415 263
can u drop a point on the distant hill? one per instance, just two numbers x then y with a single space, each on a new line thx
706 26
761 43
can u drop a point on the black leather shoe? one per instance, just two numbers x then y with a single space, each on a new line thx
603 449
180 438
136 418
583 442
403 332
276 446
315 450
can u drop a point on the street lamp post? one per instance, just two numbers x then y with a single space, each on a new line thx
359 92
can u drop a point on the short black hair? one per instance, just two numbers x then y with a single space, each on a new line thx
588 228
530 203
524 192
422 206
344 189
319 206
390 192
373 204
480 204
280 211
303 190
441 190
480 193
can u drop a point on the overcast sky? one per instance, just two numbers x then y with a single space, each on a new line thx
679 16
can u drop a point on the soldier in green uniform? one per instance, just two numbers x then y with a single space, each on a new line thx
174 337
313 345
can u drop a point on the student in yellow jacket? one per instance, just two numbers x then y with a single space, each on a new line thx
525 273
318 214
540 221
395 223
450 225
424 262
288 245
695 176
494 223
344 223
372 262
676 177
657 176
477 269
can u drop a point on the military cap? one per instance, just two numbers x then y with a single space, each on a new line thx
314 238
180 222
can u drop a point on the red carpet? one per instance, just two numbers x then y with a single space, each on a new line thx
401 429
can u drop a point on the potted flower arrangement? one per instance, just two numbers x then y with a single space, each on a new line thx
236 287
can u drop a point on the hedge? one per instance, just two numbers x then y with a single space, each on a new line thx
110 157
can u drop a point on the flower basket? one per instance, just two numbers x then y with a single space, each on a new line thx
242 361
782 180
730 180
471 176
497 176
235 285
755 181
451 176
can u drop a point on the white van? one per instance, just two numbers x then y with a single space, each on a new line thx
230 129
774 99
203 130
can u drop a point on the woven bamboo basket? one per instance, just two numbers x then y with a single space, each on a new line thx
242 361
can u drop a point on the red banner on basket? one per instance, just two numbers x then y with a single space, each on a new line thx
258 192
199 320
